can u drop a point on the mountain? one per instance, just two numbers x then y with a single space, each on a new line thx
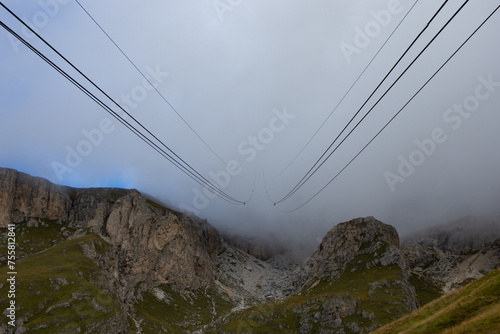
356 280
105 260
451 255
136 265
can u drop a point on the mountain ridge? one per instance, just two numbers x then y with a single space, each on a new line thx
159 270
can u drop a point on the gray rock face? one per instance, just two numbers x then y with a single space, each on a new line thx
157 248
462 237
347 240
349 251
247 280
23 196
453 254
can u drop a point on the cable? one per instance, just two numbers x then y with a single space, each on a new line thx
95 85
402 108
193 173
307 176
348 91
199 176
149 81
385 93
310 172
109 110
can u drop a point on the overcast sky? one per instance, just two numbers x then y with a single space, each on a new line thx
256 79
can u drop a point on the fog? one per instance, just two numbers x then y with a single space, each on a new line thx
256 80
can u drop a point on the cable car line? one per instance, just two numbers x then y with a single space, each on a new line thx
114 114
186 168
315 167
400 110
154 87
348 91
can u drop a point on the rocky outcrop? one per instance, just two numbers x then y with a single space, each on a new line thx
356 280
164 248
348 240
330 314
453 254
23 196
462 237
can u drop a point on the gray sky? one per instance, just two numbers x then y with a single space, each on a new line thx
229 68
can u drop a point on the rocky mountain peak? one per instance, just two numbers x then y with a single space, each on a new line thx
361 235
348 240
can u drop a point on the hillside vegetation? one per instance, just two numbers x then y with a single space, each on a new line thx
474 308
59 290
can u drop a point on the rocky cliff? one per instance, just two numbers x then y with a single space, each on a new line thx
453 254
23 196
152 249
151 241
461 237
356 279
349 240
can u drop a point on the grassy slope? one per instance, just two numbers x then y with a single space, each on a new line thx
32 240
474 308
177 313
427 291
68 303
51 307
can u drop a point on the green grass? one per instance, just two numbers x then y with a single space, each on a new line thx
426 290
473 308
270 317
56 293
179 312
32 240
